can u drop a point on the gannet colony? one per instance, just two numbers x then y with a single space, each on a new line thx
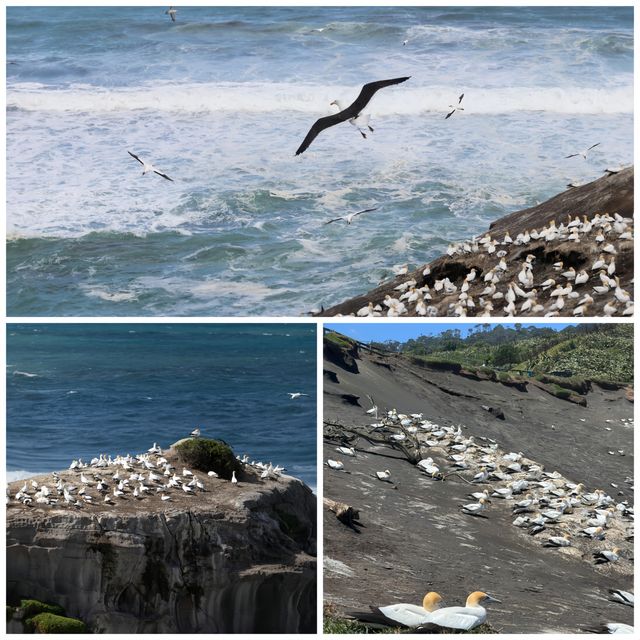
546 508
519 283
146 479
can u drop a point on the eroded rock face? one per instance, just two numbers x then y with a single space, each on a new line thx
233 559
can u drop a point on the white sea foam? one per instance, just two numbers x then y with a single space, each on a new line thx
21 474
314 99
25 374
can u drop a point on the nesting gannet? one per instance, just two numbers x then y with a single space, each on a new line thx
171 12
583 153
403 614
475 508
296 395
623 597
465 618
335 464
455 107
611 627
347 451
147 167
350 216
353 111
558 541
234 480
602 557
385 475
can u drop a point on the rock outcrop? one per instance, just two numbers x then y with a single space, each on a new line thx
609 194
233 558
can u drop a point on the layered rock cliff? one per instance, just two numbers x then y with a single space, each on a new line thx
231 558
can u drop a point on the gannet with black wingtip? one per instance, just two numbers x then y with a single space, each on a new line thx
463 618
623 597
402 614
350 216
582 153
147 167
352 112
455 107
171 12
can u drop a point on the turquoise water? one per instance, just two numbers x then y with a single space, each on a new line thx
220 101
78 390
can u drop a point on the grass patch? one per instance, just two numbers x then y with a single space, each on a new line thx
205 455
338 339
51 623
34 607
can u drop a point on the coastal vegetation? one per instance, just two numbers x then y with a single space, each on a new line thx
205 454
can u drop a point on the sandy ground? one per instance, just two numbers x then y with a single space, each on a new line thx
415 538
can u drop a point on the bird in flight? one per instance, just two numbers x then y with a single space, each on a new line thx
582 153
297 395
456 107
172 13
352 112
350 216
146 167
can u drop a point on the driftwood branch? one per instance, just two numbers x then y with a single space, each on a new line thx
344 512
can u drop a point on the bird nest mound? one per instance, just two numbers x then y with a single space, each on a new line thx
205 454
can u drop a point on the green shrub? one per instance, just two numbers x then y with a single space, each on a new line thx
206 455
50 623
559 392
34 607
339 339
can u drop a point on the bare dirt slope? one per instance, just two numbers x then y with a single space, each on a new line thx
415 538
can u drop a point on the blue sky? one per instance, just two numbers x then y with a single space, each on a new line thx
402 332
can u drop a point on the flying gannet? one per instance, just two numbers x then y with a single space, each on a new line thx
353 111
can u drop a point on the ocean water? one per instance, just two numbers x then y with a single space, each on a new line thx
221 100
78 390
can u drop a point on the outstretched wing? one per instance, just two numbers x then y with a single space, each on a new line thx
460 98
319 126
573 155
333 220
164 175
366 94
449 114
353 215
592 146
133 155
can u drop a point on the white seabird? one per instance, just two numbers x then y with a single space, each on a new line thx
171 12
147 167
582 153
455 107
350 216
464 618
297 395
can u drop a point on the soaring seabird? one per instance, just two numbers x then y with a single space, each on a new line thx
296 395
582 153
353 111
146 167
360 122
349 217
455 108
172 13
